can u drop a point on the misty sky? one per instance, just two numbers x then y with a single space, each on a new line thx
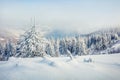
68 15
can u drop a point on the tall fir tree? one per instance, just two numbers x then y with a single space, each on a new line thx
31 44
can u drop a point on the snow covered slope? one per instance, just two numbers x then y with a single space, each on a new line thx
102 67
115 48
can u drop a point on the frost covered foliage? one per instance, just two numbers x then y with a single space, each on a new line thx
31 44
50 49
75 45
1 52
101 41
7 51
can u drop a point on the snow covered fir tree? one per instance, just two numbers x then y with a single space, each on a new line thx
31 44
6 51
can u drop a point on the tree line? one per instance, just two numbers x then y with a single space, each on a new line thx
32 44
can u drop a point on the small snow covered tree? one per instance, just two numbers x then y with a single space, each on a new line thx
11 48
50 49
104 43
31 44
80 47
1 49
73 46
1 52
8 51
113 38
77 46
56 48
63 47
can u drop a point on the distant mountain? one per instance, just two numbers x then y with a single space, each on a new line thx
62 34
107 30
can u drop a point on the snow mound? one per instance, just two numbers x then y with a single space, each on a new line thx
87 60
48 62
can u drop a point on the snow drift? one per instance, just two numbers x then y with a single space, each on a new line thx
102 67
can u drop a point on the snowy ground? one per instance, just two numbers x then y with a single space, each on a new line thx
103 67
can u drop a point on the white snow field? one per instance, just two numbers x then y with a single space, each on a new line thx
102 67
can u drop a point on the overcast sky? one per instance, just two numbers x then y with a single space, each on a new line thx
68 15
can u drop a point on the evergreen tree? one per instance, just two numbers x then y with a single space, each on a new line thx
77 46
82 48
50 49
11 48
7 52
56 48
1 52
73 46
63 47
30 44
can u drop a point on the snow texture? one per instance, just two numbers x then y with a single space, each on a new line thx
102 67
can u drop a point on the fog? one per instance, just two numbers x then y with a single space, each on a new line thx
68 15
